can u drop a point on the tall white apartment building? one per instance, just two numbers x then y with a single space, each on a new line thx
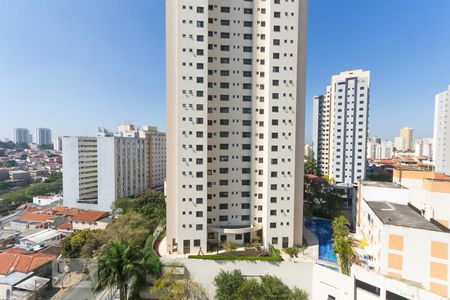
424 148
156 154
43 136
380 150
341 127
408 135
387 149
57 143
442 132
21 136
98 170
235 113
322 130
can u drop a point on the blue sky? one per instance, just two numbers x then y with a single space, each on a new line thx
75 65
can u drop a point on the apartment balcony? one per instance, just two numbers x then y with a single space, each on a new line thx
234 229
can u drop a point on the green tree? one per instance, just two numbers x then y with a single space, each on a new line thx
298 294
311 166
227 283
55 176
151 204
132 226
343 243
250 289
151 260
274 289
119 264
71 247
169 287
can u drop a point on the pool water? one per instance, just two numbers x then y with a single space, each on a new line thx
324 233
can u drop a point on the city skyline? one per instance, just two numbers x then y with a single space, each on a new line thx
92 78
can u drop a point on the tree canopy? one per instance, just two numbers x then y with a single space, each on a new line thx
343 243
233 285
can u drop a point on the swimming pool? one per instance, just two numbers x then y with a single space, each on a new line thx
324 233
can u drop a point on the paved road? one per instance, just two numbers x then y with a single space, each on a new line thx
81 291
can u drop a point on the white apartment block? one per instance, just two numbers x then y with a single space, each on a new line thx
21 136
405 227
308 151
98 170
235 132
380 150
322 130
43 136
424 148
57 144
156 154
442 132
341 127
408 135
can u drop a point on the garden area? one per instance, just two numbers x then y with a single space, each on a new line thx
233 252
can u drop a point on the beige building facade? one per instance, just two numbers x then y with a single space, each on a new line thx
235 122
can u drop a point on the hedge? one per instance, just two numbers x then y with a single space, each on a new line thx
274 256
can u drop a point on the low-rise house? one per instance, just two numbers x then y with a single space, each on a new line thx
32 221
17 265
41 239
90 219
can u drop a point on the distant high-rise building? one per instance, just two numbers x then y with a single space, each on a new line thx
235 114
98 170
442 132
43 136
387 149
424 148
379 149
308 151
408 135
322 126
156 142
21 136
57 144
400 143
341 127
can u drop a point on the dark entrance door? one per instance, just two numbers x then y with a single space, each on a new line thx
247 237
223 238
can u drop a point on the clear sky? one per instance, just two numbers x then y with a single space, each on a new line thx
74 65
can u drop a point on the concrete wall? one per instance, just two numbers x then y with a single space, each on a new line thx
318 281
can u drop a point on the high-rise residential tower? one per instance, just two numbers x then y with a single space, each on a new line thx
441 151
21 136
235 122
341 127
322 130
156 143
98 170
43 136
408 135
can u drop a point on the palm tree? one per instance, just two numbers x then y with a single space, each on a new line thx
120 264
343 243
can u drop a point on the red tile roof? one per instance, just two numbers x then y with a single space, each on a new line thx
36 217
24 263
65 226
90 215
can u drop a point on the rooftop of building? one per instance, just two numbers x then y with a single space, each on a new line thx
383 184
90 216
36 217
15 260
401 215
